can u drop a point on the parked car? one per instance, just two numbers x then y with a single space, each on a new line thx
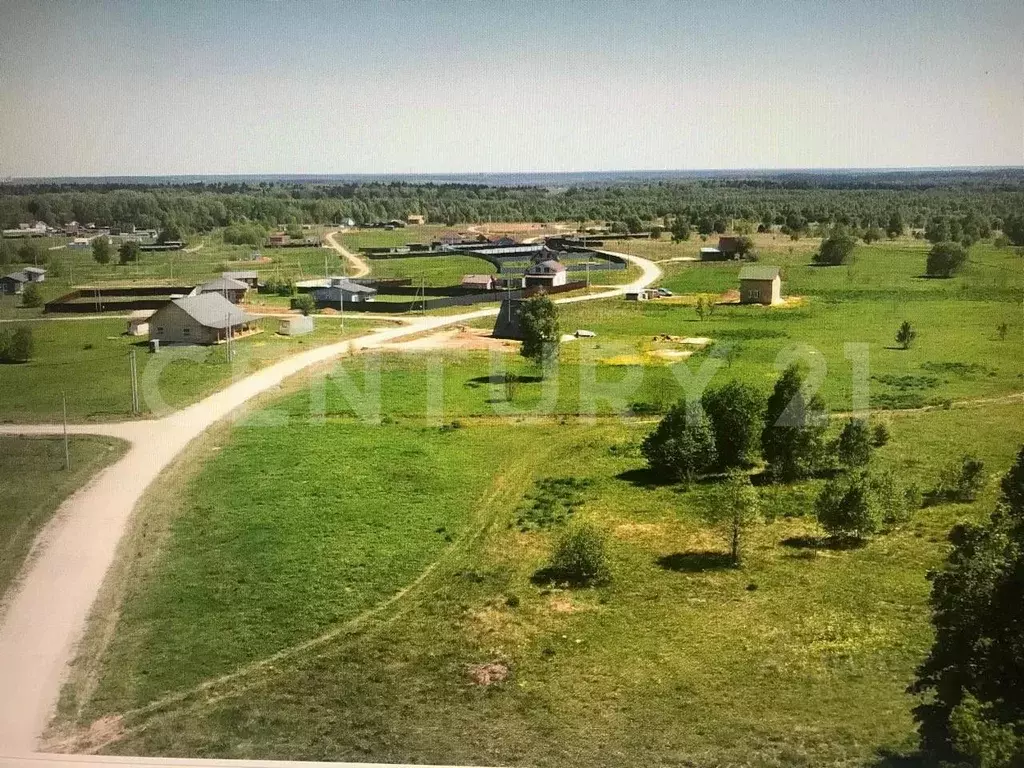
664 293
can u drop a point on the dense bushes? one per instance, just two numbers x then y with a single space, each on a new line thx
17 346
946 259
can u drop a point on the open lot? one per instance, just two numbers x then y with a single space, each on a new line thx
33 483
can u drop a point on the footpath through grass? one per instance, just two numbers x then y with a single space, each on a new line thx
799 658
34 482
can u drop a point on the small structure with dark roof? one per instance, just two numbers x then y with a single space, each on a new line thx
341 291
208 318
478 282
711 254
760 284
231 289
15 282
547 273
248 276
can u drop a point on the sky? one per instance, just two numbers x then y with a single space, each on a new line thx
160 87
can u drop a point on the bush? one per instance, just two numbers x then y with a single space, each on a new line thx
854 444
896 502
305 303
791 440
736 411
128 252
835 250
32 296
959 482
846 508
245 234
880 434
580 557
682 446
946 259
17 346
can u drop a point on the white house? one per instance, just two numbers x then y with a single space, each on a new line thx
547 273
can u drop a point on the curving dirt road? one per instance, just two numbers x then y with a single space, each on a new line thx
45 617
362 269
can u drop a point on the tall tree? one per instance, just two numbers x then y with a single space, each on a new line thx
538 317
128 252
974 674
793 428
946 259
682 446
734 510
101 250
736 411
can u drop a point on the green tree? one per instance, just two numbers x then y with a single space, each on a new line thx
736 411
793 428
1013 228
835 250
32 296
538 318
17 346
854 444
305 303
128 252
28 253
101 250
633 224
946 259
170 233
906 334
974 705
871 235
580 557
680 229
896 226
846 507
734 510
960 481
682 446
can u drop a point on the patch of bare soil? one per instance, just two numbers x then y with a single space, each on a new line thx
465 339
487 674
107 729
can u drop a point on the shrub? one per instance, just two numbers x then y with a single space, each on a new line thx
305 303
960 481
32 296
580 557
896 502
17 346
736 411
682 446
854 444
846 508
946 259
128 252
905 335
880 434
835 250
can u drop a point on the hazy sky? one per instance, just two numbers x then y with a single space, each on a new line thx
167 87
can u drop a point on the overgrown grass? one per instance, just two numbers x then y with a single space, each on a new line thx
800 657
34 482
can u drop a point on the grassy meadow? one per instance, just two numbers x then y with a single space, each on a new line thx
34 482
88 361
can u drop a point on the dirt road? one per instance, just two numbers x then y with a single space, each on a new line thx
45 617
362 269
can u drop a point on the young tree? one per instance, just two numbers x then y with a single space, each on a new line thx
854 444
880 435
128 252
305 303
960 481
846 507
734 511
835 250
682 446
17 346
633 224
32 296
905 335
28 253
680 229
871 235
895 227
101 250
973 673
946 259
793 428
538 317
1013 228
580 557
736 411
170 233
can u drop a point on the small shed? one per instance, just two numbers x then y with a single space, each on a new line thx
711 254
760 284
416 218
297 325
138 322
544 274
231 289
478 282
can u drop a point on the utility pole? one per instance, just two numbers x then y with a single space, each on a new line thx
67 448
133 368
341 306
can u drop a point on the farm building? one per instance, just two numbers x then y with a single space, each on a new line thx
342 291
711 254
204 319
416 218
298 325
15 282
545 273
508 324
231 289
760 284
249 276
278 239
479 282
138 322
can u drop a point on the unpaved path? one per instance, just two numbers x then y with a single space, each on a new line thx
362 269
45 617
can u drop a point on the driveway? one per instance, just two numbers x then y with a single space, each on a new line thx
45 617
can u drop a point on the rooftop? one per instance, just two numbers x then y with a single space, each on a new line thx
212 310
223 284
759 272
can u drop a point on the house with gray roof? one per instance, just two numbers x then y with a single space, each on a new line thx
15 282
760 284
231 289
248 276
341 290
206 318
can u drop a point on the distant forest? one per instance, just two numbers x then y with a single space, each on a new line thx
978 200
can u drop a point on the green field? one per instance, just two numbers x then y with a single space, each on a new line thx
33 483
88 361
